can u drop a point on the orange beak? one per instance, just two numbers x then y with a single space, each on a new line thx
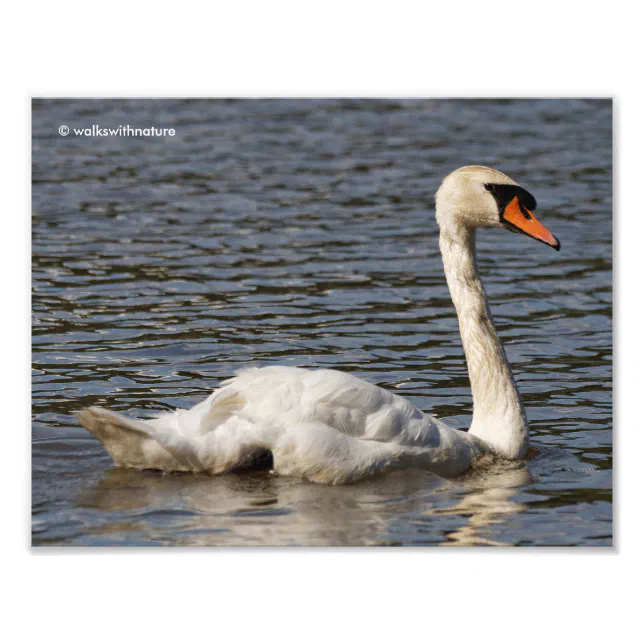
522 220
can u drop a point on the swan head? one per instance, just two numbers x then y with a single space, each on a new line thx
476 196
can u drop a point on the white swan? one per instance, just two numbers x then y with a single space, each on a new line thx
330 427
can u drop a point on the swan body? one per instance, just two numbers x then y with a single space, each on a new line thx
323 425
331 427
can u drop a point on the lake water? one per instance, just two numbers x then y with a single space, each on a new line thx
302 232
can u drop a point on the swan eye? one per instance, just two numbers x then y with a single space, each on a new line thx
505 193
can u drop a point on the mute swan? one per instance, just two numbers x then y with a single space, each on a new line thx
330 427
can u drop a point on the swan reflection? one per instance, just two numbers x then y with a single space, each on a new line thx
261 509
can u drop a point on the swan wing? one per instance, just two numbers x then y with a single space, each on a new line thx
281 397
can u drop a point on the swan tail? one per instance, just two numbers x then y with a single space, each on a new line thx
134 443
162 444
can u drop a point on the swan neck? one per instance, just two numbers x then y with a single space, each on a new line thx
498 415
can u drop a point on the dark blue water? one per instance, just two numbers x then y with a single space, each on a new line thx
302 232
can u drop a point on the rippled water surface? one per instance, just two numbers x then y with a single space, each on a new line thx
303 233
